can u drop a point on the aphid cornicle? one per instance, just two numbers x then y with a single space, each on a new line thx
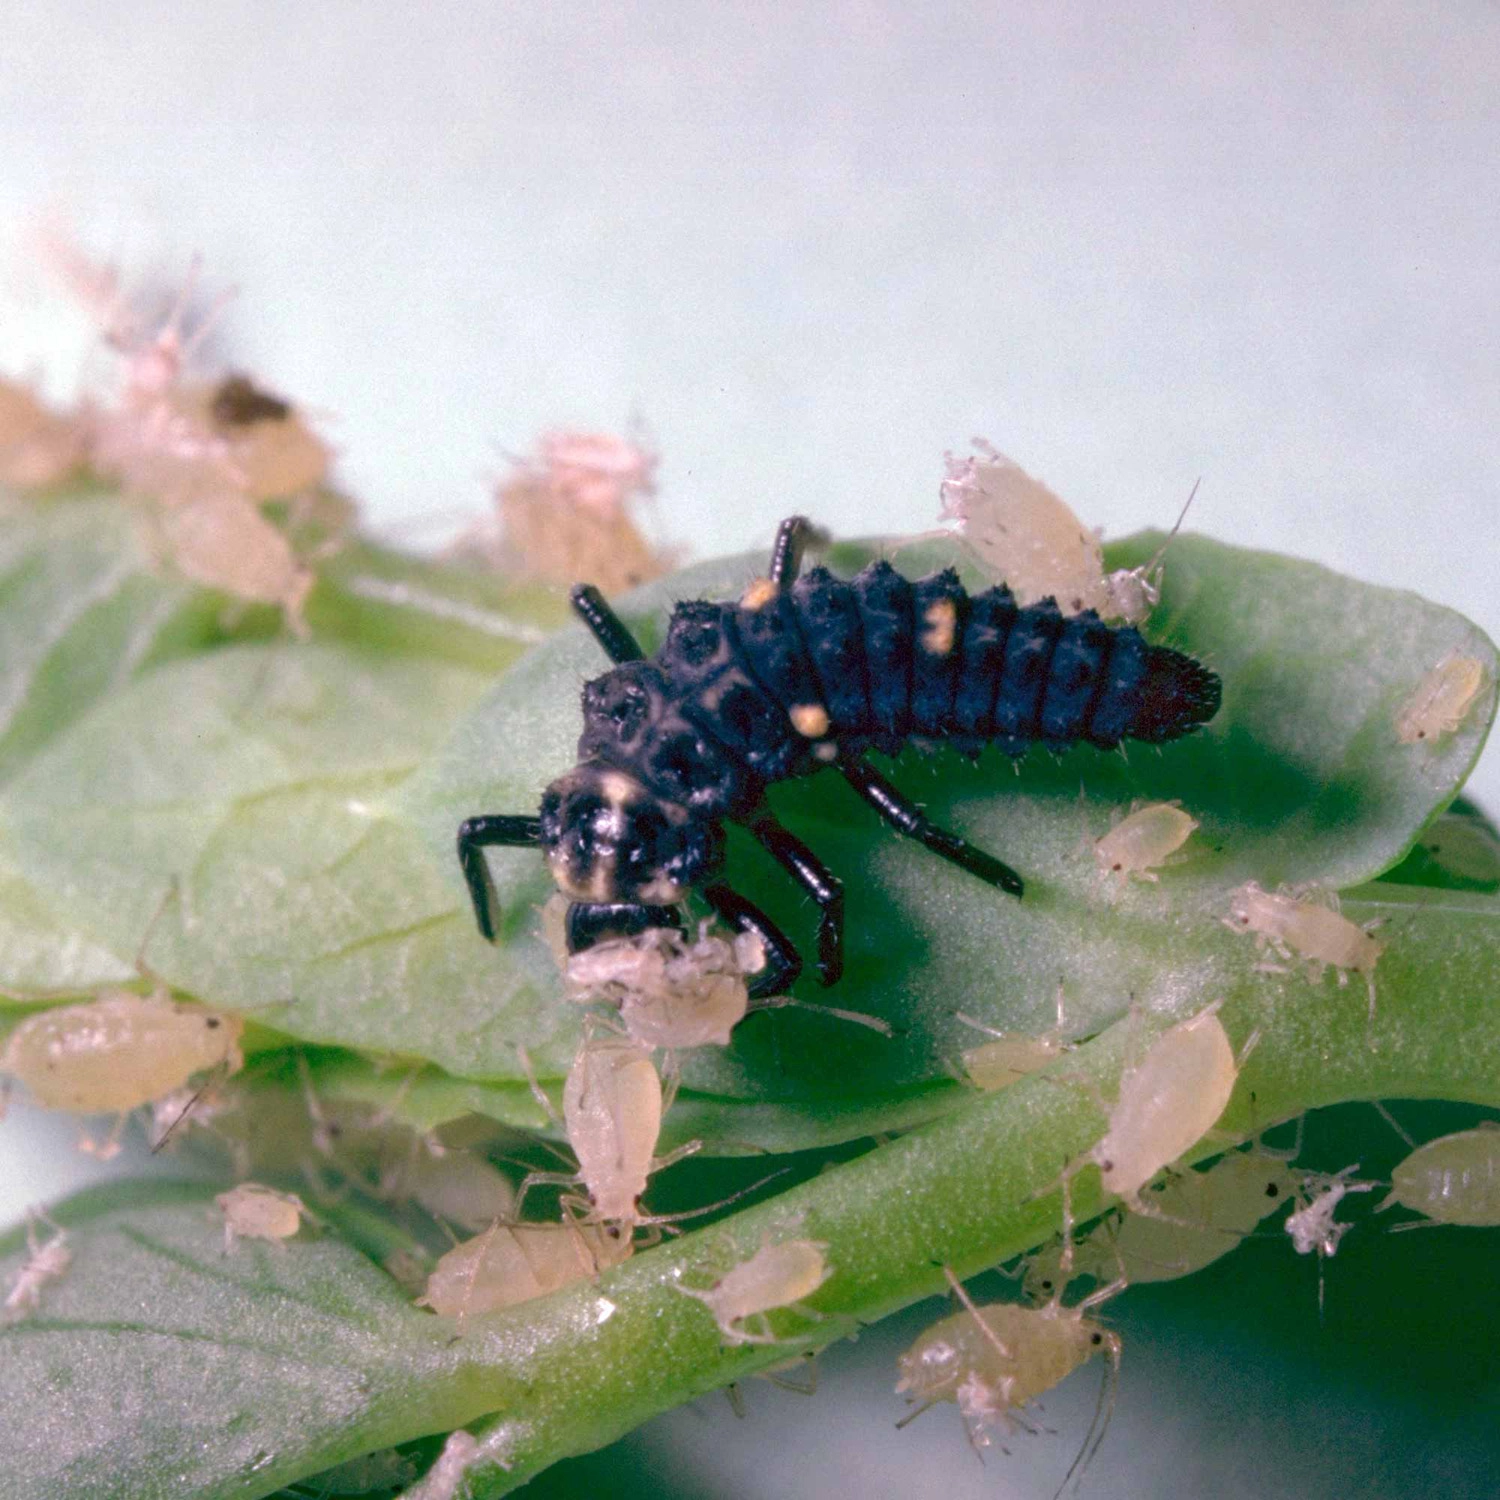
799 674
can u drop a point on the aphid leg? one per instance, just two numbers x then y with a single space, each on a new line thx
819 882
490 830
542 1179
870 1023
993 1338
783 963
537 1091
604 624
908 820
786 552
1392 1121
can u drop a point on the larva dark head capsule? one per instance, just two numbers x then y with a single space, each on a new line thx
608 839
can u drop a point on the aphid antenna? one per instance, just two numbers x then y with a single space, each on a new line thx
216 1076
709 1208
1394 1123
1145 572
1104 1410
858 1018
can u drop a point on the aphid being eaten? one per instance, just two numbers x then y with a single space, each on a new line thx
669 992
253 1211
1011 1055
38 447
1029 538
1143 841
1441 701
510 1263
777 1275
1192 1219
44 1263
800 674
118 1052
1311 929
1452 1180
993 1361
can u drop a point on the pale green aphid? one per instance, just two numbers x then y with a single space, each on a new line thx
779 1274
1452 1180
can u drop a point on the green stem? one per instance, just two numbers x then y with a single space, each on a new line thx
572 1373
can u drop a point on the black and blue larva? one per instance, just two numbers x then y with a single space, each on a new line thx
800 674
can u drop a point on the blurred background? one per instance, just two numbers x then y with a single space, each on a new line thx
802 251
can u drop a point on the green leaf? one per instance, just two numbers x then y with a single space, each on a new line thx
159 1365
319 889
157 1355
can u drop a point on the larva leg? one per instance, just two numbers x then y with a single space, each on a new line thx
783 963
786 551
490 830
907 819
606 626
819 882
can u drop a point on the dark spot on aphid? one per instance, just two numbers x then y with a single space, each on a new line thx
1272 1191
212 1022
1096 1339
239 402
737 697
1106 1166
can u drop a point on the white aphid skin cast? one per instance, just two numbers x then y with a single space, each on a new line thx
1143 841
1011 1055
44 1263
1306 928
1031 540
119 1051
1193 1218
778 1275
253 1211
1313 1226
992 1361
511 1263
463 1453
670 993
1452 1180
1441 701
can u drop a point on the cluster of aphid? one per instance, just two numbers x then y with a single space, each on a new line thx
800 674
205 460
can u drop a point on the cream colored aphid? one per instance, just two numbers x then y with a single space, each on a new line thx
1011 1055
670 993
511 1263
777 1275
38 447
119 1051
1167 1102
1192 1219
1452 1180
255 1212
1143 841
612 1109
219 538
1028 537
992 1361
1441 700
44 1263
1306 928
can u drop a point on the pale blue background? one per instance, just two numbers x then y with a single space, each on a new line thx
811 247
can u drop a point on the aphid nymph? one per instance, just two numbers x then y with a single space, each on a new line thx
1142 841
1452 1180
779 1274
802 673
44 1263
1441 700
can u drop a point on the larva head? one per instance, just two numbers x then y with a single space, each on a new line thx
608 839
1177 695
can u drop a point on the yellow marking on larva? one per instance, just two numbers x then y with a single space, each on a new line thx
942 627
1441 700
809 719
760 593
